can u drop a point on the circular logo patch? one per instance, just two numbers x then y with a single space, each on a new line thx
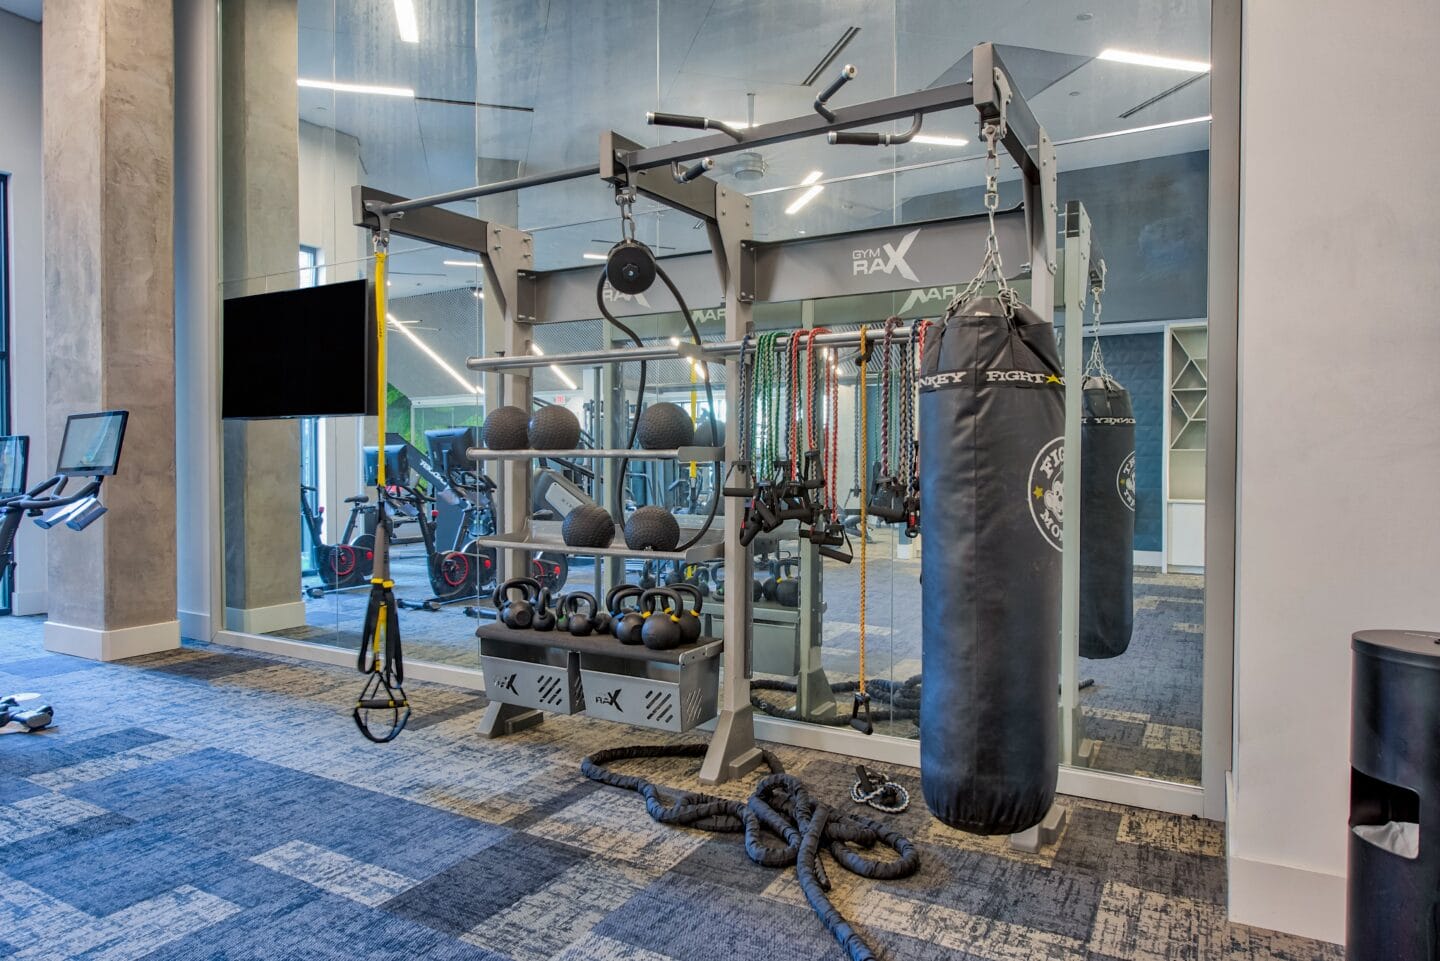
1047 491
1125 481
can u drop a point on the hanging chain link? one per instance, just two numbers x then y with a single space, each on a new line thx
625 199
1096 363
992 268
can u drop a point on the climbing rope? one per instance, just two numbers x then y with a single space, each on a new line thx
779 806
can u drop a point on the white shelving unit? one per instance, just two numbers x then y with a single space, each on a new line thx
1187 383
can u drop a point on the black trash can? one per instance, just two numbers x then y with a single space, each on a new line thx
1393 910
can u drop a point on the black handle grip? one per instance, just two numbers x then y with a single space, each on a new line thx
856 138
661 119
379 704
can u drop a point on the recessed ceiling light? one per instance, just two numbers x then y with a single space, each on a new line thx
589 256
1151 60
424 348
1074 93
1084 16
808 195
940 141
377 89
405 20
463 263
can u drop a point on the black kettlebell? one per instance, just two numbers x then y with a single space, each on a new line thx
661 631
581 625
519 614
769 584
544 616
647 575
689 617
624 624
700 580
787 587
676 575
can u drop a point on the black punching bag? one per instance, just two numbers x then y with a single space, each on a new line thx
992 459
1107 519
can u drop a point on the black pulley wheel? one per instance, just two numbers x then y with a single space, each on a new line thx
630 267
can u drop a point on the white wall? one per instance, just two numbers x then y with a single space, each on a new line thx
20 158
1339 404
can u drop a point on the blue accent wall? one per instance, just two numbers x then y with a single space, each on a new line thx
1137 361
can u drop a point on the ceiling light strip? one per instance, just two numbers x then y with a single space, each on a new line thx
405 21
1152 60
424 348
338 87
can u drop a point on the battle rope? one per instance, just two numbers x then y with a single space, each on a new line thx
380 654
862 696
781 806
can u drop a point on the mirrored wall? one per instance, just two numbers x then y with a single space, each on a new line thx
319 96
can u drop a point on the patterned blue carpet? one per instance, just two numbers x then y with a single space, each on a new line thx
211 803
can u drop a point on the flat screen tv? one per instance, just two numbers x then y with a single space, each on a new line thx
299 353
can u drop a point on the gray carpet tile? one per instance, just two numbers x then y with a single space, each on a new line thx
225 807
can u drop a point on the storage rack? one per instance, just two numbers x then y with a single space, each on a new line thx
519 297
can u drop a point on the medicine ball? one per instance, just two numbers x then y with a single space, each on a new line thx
554 428
588 525
706 430
652 528
664 426
505 428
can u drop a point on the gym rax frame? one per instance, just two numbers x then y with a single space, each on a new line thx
515 291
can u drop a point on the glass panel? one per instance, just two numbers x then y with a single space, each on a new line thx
487 91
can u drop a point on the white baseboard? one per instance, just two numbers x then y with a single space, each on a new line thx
1285 898
24 603
264 620
1149 558
102 645
463 677
196 625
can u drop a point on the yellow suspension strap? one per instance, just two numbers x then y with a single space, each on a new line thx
380 653
860 710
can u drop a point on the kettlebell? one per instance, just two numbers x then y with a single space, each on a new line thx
700 580
518 614
662 624
647 575
787 587
768 586
544 616
689 616
578 624
624 624
676 575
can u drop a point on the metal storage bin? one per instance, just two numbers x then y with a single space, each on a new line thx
542 678
1394 877
674 694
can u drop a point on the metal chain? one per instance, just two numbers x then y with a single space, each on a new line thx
992 268
1096 363
625 198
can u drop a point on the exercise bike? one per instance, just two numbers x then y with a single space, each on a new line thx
89 448
346 563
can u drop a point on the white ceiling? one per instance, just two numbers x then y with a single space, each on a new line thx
29 9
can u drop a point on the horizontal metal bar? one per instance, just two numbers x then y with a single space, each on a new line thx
712 350
810 125
447 228
684 454
490 189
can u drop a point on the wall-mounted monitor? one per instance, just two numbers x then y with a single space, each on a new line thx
299 353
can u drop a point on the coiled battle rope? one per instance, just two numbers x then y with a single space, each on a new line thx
781 807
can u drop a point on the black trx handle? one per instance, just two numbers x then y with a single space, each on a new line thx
860 714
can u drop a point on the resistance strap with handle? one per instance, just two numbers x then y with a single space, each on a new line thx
1107 519
380 654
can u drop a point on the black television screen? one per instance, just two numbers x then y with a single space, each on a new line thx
299 353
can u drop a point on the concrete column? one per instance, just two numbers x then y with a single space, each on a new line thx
260 175
109 312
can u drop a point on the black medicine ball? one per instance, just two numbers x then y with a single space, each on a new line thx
554 428
505 429
665 426
588 525
652 528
